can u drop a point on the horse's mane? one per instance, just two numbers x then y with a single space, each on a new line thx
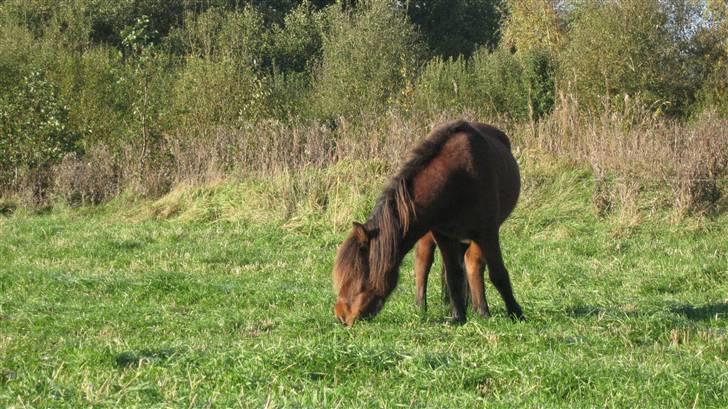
394 209
349 264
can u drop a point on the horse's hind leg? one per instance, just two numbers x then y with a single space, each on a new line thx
499 274
452 258
424 256
474 266
444 291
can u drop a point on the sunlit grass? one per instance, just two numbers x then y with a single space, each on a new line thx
126 306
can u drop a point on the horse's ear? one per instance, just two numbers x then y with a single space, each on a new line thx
361 234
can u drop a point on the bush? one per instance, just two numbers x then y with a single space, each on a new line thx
539 72
15 57
489 84
96 87
531 24
498 83
713 96
444 85
710 49
296 44
34 129
209 93
631 47
454 28
369 58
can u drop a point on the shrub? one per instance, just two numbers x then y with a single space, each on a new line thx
96 87
532 25
498 83
454 28
444 85
34 129
539 72
15 57
710 49
623 48
297 42
369 57
489 84
209 93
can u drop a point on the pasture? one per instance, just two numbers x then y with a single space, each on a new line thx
122 305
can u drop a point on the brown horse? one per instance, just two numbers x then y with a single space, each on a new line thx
460 184
424 257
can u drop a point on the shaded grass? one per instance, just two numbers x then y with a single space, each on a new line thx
119 306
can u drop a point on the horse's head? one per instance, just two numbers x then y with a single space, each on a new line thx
357 298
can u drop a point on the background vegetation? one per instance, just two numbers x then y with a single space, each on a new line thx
100 97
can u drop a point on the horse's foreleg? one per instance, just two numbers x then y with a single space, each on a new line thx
499 274
452 258
474 266
424 256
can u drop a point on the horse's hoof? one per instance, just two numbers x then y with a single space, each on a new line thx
483 312
456 321
517 316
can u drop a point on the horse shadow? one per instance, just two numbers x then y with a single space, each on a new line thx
703 313
691 312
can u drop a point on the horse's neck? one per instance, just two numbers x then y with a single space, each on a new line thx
410 238
407 240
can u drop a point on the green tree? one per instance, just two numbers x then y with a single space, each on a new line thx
34 129
490 83
146 74
297 42
532 24
498 83
623 48
444 85
710 47
456 27
370 57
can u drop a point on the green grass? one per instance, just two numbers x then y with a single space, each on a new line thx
110 307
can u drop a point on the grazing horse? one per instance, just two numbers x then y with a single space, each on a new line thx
458 185
424 257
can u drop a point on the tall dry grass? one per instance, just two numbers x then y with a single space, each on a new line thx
634 151
633 154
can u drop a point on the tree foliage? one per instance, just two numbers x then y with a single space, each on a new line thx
710 48
456 27
532 24
34 127
369 56
75 74
627 48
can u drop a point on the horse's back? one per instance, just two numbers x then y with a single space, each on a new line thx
498 164
492 132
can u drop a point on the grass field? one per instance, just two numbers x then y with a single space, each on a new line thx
114 307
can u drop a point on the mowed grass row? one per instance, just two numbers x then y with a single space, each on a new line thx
102 307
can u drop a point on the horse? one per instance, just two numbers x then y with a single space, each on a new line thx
424 257
458 185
